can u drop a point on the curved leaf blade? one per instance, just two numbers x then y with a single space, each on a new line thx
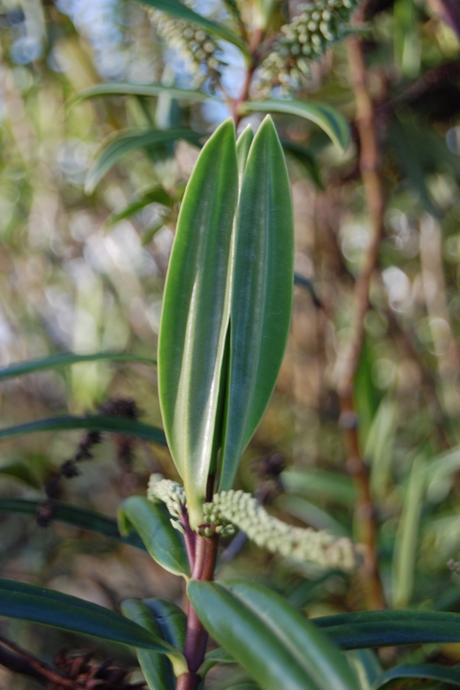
153 524
40 605
64 359
329 119
195 314
116 425
170 619
444 674
157 670
136 89
390 628
132 140
261 293
71 515
176 9
275 645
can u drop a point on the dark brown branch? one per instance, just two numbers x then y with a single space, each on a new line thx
18 660
369 161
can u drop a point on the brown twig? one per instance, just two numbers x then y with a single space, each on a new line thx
356 465
18 660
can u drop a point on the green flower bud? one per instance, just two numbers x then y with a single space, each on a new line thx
310 34
198 49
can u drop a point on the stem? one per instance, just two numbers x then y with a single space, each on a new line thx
20 661
196 637
370 173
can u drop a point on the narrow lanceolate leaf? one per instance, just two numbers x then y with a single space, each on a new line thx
243 146
195 315
390 628
71 515
40 605
132 140
157 195
274 643
157 668
153 524
407 536
326 117
261 294
177 9
134 89
444 674
116 425
63 359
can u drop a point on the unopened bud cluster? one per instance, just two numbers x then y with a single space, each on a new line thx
168 492
306 38
300 544
197 48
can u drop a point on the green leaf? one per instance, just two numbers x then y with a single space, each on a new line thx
171 621
326 117
40 605
157 195
388 628
71 515
367 666
261 294
176 9
152 522
274 643
243 145
406 540
213 658
157 670
22 472
125 142
320 484
444 674
313 516
195 315
134 89
307 160
64 359
116 425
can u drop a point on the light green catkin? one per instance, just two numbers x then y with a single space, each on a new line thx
304 39
231 510
300 544
197 48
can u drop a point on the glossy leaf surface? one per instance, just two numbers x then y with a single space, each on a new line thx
132 140
387 628
40 605
153 524
274 644
261 293
120 425
64 359
71 515
156 667
195 314
326 117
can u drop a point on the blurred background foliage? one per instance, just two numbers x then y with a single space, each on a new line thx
83 270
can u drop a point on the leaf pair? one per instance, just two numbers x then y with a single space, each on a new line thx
226 306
